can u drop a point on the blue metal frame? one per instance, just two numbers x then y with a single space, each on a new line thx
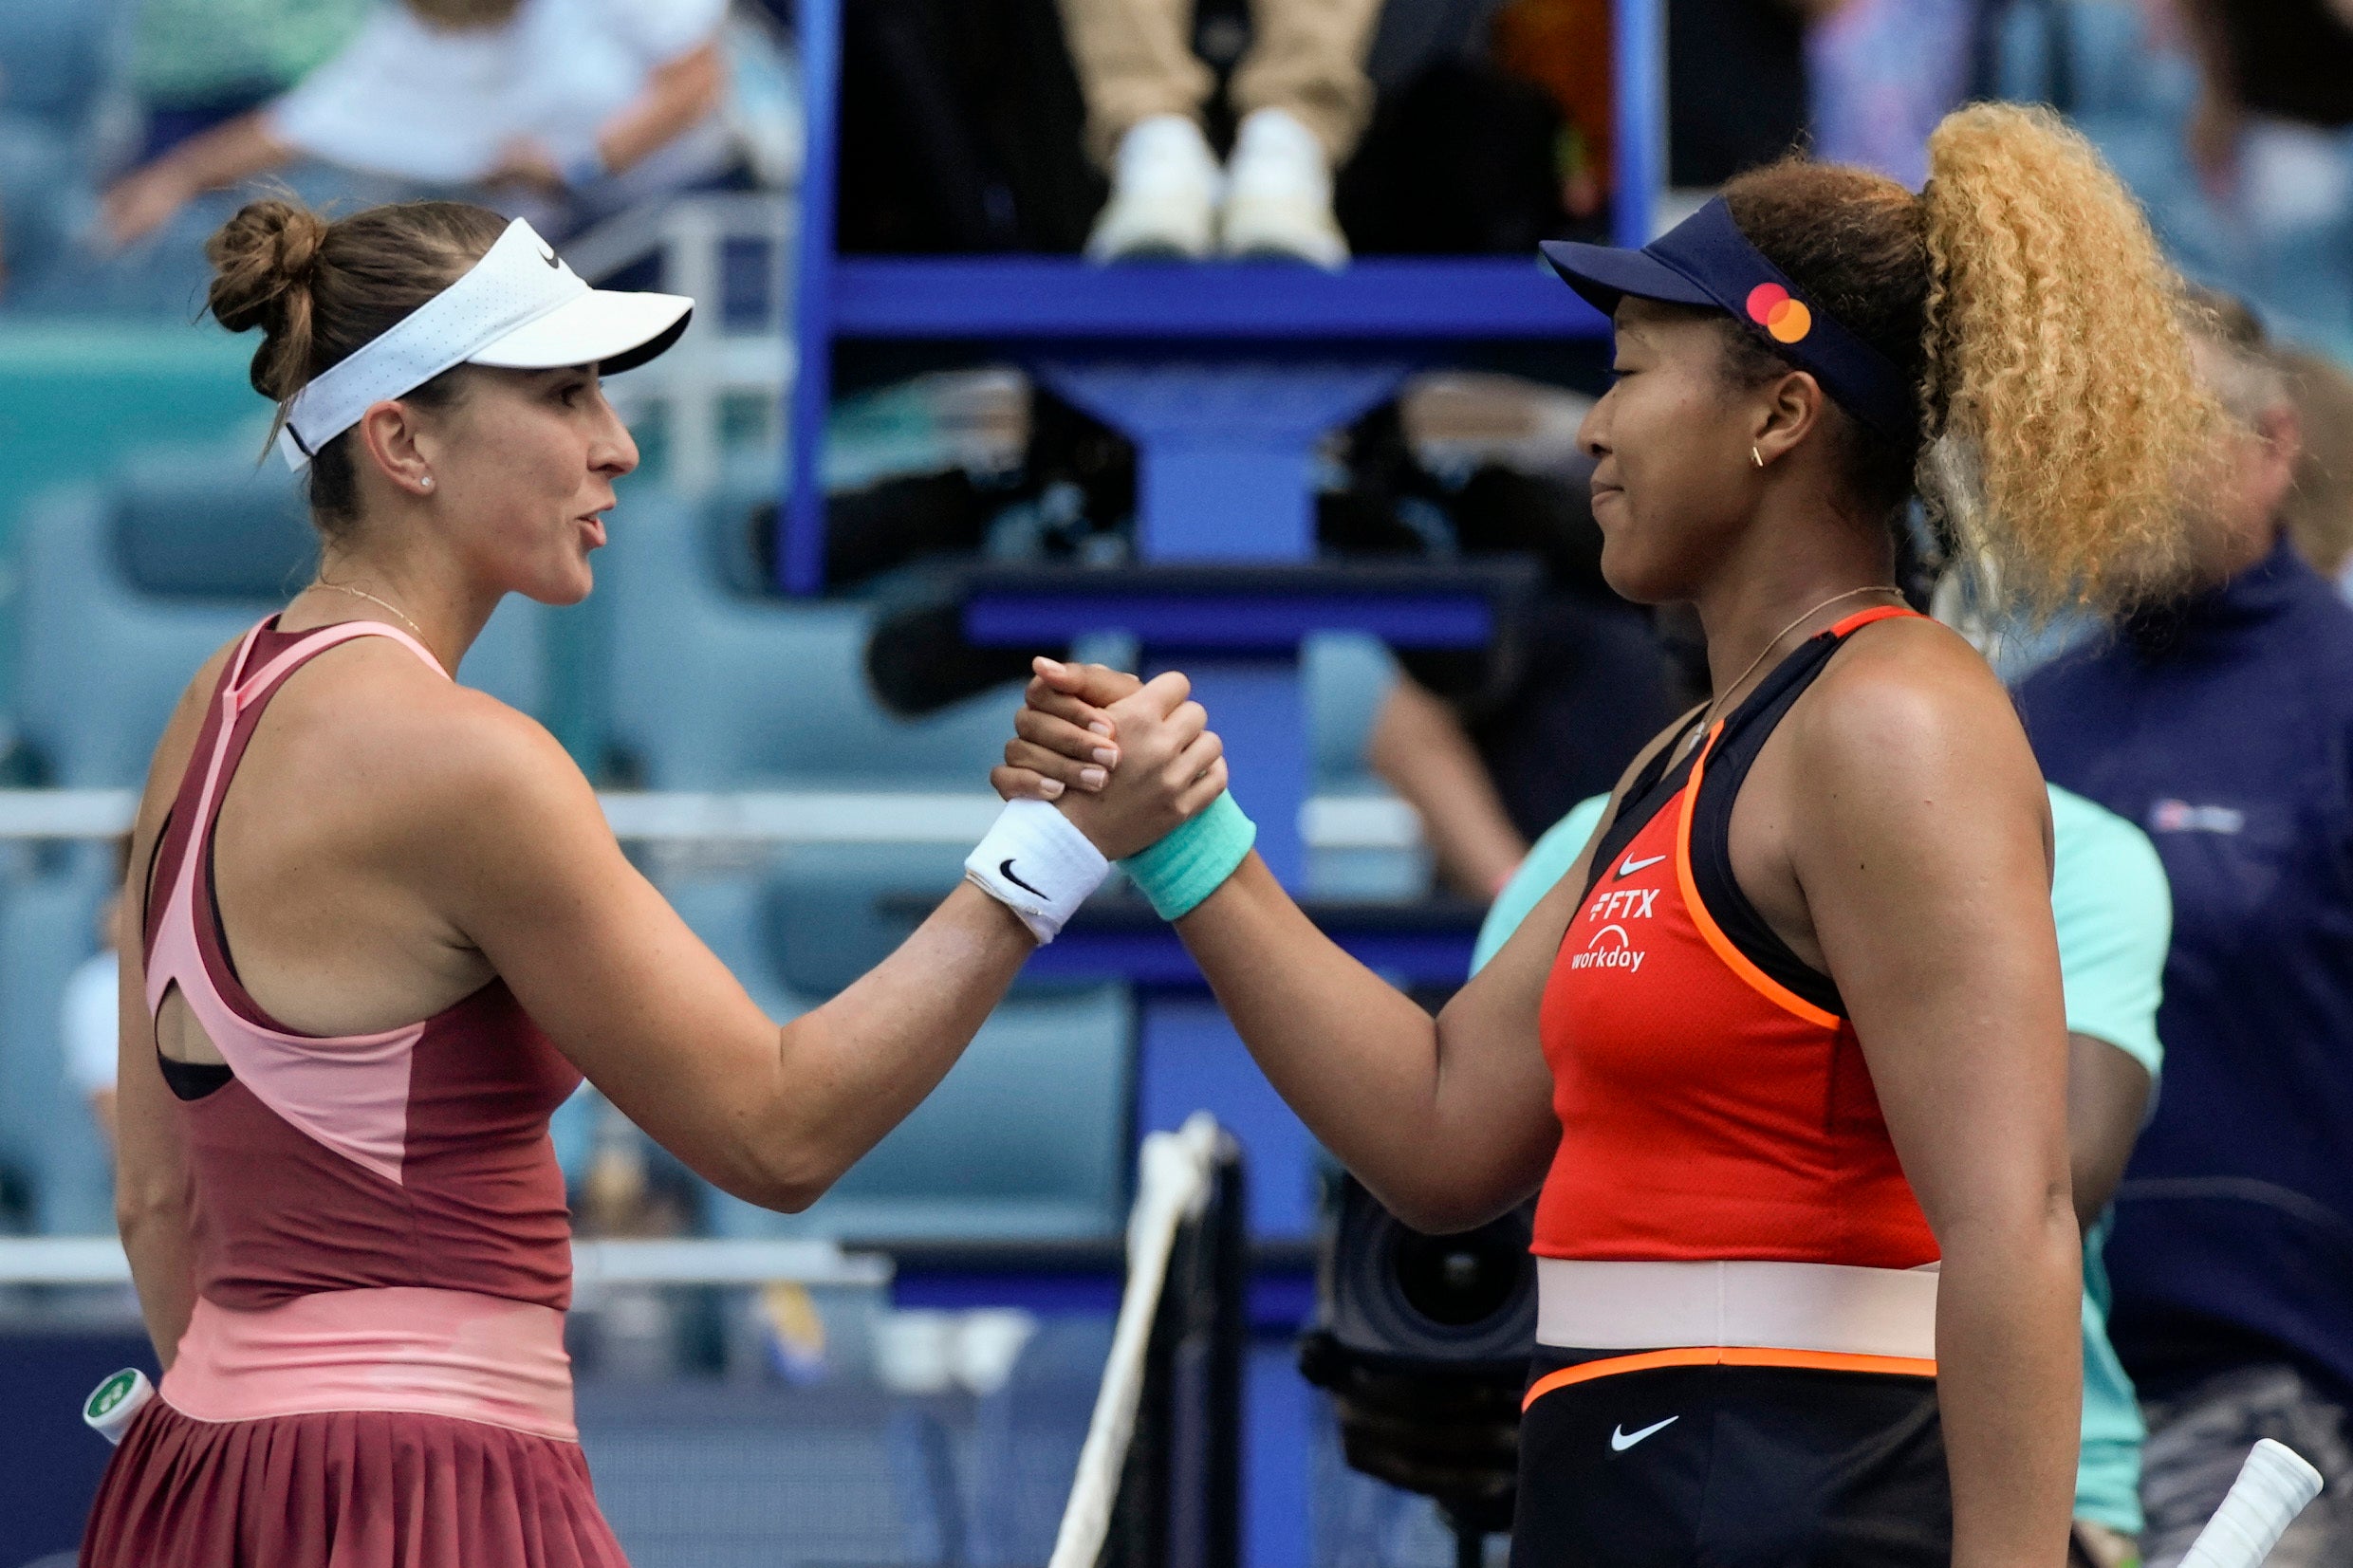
1035 303
1058 300
800 520
1638 35
1225 375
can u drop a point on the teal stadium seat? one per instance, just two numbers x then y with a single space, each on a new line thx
717 686
126 589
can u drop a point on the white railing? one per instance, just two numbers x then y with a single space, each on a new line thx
779 816
99 1260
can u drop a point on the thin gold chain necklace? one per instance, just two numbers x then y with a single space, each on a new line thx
362 593
1708 717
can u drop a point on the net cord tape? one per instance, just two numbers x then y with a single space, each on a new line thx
1173 1184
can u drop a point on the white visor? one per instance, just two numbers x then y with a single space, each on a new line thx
519 307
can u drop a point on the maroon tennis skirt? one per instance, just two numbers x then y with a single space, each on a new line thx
345 1489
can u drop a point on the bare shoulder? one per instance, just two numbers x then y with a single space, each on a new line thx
1910 717
418 748
1903 690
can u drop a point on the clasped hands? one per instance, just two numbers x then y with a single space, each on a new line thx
1125 760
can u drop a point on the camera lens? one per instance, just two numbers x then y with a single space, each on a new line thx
1458 1281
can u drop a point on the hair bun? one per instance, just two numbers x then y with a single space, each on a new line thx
264 260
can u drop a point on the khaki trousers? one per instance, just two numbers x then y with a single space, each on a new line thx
1135 60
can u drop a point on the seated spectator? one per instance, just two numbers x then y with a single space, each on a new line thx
1420 748
196 63
562 105
1881 73
1303 98
2268 138
2221 724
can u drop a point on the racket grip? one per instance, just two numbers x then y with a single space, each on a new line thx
2272 1487
111 1405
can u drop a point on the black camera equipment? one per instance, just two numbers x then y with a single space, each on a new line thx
1423 1342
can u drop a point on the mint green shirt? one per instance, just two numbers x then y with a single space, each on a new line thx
187 53
2114 913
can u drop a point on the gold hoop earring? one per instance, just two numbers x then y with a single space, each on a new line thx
1757 457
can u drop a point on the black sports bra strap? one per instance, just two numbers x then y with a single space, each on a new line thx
1733 752
1729 760
191 1080
1653 788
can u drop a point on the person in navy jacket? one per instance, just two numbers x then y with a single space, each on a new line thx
2222 722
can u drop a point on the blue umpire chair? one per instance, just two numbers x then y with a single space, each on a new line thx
1225 376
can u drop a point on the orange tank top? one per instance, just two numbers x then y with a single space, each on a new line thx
1713 1098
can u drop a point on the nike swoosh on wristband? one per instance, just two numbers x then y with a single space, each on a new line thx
1621 1439
1005 869
1628 866
550 257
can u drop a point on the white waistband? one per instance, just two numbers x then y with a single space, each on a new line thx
1583 1306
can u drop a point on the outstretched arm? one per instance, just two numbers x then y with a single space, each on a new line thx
1447 1120
1419 750
679 95
146 199
600 961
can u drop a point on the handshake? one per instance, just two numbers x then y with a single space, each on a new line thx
1105 767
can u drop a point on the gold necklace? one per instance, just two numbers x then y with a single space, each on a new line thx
362 593
1708 717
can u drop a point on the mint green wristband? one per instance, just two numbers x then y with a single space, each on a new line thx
1194 860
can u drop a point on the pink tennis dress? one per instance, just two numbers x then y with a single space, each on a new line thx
374 1375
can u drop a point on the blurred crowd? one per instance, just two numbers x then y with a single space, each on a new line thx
128 126
2216 726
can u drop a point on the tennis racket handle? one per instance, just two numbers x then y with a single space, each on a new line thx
111 1405
2271 1489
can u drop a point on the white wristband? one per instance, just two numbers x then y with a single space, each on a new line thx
1038 864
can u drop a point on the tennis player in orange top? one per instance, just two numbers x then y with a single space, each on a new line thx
1785 1052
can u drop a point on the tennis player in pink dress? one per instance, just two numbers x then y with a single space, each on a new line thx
384 931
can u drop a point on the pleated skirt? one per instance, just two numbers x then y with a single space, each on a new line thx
343 1489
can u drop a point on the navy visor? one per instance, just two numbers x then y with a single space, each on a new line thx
1707 261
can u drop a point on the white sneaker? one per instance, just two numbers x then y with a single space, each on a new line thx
1279 194
1165 185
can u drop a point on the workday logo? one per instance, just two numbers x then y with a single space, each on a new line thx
1611 949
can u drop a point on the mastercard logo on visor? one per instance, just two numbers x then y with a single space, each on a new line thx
1785 319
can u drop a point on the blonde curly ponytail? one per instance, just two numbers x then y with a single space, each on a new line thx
2064 415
